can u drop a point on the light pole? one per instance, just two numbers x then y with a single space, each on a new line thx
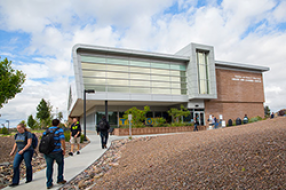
8 125
84 110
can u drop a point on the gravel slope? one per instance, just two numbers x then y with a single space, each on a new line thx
245 157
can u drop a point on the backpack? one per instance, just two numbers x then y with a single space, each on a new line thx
47 144
102 125
34 139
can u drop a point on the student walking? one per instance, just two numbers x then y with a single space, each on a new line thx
25 152
272 115
245 119
75 136
57 154
196 123
102 128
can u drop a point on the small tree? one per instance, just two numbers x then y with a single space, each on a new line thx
177 114
24 122
60 116
138 116
266 111
31 122
44 113
11 81
4 131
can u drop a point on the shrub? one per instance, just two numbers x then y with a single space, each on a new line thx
178 124
139 125
4 131
81 138
159 122
254 119
67 136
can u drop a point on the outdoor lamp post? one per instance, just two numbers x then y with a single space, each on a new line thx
84 110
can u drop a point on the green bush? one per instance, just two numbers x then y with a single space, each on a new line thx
67 136
123 126
4 131
179 124
139 125
254 119
81 138
159 122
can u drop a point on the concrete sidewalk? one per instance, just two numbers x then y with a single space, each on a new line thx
73 164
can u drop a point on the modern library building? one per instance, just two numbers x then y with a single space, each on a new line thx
124 78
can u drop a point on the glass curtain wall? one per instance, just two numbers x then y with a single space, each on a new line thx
203 72
112 118
133 76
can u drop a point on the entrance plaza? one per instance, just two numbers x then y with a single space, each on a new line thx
124 78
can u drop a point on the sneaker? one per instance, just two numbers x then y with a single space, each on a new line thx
62 182
13 185
71 154
28 181
51 186
77 152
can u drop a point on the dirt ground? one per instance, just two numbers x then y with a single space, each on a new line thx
244 157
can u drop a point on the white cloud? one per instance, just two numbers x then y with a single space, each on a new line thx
26 102
229 27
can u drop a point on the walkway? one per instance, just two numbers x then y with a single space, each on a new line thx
73 164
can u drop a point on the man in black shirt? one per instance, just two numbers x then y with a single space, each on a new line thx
75 135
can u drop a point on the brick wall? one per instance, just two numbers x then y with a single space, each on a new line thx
239 93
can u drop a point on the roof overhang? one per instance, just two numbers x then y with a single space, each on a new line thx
241 66
82 48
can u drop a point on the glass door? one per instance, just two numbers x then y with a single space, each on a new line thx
200 117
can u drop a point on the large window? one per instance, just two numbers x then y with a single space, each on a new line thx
125 75
202 60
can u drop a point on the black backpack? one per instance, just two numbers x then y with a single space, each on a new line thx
102 125
34 139
47 144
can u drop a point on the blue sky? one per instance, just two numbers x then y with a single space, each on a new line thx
38 36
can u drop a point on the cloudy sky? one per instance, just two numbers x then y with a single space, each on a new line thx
38 35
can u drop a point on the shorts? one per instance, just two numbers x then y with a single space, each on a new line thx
75 140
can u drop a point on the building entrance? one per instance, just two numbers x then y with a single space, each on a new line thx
199 114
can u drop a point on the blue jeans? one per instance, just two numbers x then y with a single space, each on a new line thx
50 158
104 138
27 156
196 127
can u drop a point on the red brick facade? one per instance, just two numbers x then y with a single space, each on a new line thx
239 93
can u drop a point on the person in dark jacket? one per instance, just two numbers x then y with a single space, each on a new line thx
196 123
102 128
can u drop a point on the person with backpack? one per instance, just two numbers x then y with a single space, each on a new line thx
75 136
102 128
53 146
215 122
24 152
196 123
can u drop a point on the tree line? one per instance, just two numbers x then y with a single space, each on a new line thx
43 117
